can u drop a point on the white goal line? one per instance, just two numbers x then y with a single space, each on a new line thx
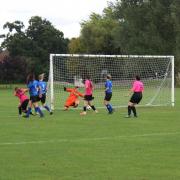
87 139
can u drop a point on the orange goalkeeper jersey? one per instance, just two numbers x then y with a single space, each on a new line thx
74 94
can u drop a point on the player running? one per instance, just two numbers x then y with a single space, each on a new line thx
88 96
73 99
108 94
24 100
42 85
137 89
32 85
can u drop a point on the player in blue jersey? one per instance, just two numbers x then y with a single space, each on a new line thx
42 92
32 85
108 94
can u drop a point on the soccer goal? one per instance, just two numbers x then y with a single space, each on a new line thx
156 72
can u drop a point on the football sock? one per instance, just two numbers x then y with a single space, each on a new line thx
20 110
37 109
109 107
28 112
84 108
93 107
134 110
47 108
129 110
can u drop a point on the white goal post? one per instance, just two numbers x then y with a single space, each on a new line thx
69 70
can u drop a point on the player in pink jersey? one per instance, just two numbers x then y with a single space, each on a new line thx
24 100
88 97
137 90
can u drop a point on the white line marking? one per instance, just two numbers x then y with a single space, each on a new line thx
87 139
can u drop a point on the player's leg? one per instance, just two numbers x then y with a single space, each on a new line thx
20 110
76 103
107 102
134 110
137 99
90 103
37 108
130 105
29 109
68 103
24 106
43 102
84 107
34 100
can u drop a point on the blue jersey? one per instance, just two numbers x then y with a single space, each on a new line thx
43 87
108 86
33 88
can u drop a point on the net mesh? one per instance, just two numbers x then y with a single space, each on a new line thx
71 70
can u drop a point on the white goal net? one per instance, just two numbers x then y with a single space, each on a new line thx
69 70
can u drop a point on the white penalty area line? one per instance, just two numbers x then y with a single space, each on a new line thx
87 139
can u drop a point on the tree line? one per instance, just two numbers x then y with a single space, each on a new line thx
140 27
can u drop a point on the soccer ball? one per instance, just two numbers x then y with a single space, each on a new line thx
88 107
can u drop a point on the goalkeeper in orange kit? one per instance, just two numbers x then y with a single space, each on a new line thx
73 98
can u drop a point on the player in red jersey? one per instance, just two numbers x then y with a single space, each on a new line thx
24 100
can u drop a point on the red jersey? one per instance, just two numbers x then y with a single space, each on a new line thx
21 95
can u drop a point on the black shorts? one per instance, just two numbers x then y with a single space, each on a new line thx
43 98
34 99
108 96
136 97
88 97
24 104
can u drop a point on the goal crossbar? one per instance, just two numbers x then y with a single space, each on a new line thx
157 73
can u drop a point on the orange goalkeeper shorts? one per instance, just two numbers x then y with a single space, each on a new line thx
69 103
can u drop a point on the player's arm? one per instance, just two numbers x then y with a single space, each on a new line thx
79 94
106 86
67 89
131 91
24 90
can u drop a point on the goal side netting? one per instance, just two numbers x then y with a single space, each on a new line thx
69 70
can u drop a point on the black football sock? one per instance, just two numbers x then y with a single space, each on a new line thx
129 110
20 110
134 110
93 107
84 108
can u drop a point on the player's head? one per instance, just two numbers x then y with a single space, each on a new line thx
76 87
108 76
16 89
30 77
41 77
138 78
88 77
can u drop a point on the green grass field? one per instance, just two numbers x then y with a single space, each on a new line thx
66 146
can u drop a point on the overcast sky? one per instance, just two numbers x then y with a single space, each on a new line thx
65 15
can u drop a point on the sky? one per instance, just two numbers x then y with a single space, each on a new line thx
65 15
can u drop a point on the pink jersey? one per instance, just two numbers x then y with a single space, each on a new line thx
88 87
138 86
20 94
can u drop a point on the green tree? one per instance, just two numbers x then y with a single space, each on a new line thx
146 27
176 19
96 33
75 46
35 43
